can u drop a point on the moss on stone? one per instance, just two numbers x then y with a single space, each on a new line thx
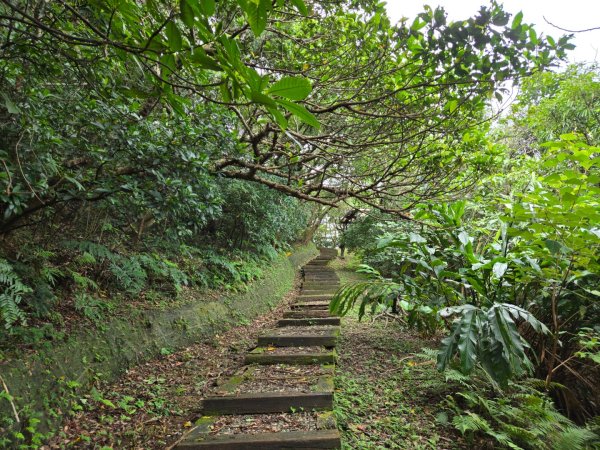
45 383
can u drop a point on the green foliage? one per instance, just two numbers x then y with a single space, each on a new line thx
12 291
91 308
517 418
551 104
535 255
489 337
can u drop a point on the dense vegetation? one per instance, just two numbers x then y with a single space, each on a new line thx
512 272
153 148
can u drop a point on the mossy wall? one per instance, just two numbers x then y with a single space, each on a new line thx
44 382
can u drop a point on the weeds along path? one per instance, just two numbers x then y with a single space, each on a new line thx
154 404
387 396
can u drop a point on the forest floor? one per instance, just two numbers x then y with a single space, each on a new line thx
386 395
153 404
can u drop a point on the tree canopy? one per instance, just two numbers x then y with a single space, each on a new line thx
324 101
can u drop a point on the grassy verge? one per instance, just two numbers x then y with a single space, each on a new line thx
386 396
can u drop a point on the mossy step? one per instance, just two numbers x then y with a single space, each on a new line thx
307 313
268 402
318 269
311 305
327 276
238 395
320 277
309 286
322 282
311 297
318 439
314 273
306 338
323 291
261 355
308 321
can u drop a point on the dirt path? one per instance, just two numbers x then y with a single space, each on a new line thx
386 396
153 404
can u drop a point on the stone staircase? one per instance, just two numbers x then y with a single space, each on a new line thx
283 397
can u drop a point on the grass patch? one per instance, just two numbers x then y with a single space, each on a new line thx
386 395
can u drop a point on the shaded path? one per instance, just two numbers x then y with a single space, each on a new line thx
283 398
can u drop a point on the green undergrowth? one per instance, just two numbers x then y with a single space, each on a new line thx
45 385
390 394
386 397
90 284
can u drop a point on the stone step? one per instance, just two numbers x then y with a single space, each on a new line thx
311 305
306 313
318 439
329 292
324 270
308 321
316 286
268 355
308 297
320 275
284 337
313 280
268 402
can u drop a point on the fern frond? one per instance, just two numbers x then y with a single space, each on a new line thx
12 290
574 438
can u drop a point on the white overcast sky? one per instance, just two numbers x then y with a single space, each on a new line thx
569 14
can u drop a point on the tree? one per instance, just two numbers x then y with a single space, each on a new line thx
554 103
330 100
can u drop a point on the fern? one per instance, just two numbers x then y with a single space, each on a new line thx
163 269
129 274
91 307
12 291
519 418
573 438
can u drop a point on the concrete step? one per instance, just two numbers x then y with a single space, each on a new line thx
308 321
309 297
270 355
306 313
318 439
330 292
268 402
310 303
309 285
285 337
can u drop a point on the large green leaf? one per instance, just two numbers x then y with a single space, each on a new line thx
467 341
187 13
505 332
300 112
300 6
292 88
207 6
256 14
448 347
174 36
